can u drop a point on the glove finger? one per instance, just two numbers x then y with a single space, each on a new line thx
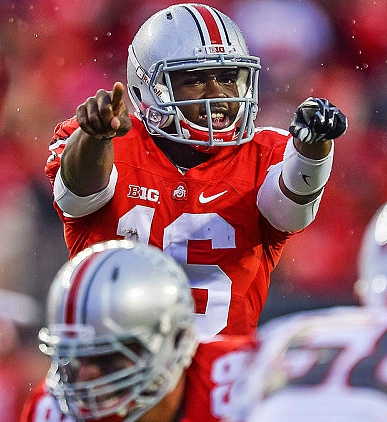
299 129
325 123
308 109
316 119
339 126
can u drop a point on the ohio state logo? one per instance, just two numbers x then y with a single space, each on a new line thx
180 193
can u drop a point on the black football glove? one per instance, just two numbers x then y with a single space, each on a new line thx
316 119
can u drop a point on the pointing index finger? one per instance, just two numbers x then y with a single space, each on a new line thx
117 97
121 121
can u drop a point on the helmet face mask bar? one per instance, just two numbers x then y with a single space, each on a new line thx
151 90
241 130
127 371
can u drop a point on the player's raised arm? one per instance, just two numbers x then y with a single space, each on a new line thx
87 160
308 159
291 193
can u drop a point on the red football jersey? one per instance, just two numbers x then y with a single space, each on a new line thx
41 406
209 385
209 394
207 219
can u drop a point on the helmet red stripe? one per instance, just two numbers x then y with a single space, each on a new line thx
212 26
71 305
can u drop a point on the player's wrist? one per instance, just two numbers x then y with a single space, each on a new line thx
303 175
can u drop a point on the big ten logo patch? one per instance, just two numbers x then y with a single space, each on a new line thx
141 192
215 49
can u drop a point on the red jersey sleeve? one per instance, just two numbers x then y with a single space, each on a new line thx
58 142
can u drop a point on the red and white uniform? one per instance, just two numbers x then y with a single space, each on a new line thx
326 365
41 406
207 219
209 385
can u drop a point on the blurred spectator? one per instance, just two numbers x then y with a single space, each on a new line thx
16 202
21 365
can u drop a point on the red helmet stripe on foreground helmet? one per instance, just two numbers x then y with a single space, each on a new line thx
211 29
73 294
125 310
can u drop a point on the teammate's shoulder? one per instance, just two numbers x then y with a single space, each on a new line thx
226 342
353 316
337 318
270 135
271 130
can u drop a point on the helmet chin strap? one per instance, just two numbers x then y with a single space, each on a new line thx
203 134
178 128
191 130
206 150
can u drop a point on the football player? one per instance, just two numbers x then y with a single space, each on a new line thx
329 364
122 340
189 172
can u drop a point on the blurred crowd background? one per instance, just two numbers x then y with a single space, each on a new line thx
54 54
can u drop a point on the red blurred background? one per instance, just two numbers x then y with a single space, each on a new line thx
54 54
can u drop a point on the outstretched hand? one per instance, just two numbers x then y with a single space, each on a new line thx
105 115
316 120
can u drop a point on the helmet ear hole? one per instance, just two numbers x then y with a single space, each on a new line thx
179 336
137 93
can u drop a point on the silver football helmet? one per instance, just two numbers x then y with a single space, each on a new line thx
191 37
371 286
120 330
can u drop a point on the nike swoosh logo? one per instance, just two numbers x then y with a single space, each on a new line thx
205 199
305 176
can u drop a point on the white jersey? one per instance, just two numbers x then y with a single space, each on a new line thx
318 366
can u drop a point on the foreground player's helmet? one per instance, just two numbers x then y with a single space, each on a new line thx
120 330
371 286
190 37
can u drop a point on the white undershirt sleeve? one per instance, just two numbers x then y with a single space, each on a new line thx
79 206
281 212
301 175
